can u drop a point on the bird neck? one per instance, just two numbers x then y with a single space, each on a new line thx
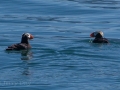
24 40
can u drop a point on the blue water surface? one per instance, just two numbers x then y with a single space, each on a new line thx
62 55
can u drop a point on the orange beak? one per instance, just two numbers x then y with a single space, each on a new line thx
92 35
31 36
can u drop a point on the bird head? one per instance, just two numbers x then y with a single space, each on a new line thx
28 35
97 34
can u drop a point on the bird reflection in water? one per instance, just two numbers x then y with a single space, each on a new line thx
26 69
26 56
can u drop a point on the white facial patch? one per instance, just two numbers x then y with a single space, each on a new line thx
95 33
101 33
28 35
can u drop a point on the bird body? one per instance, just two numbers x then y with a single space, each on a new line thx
98 37
24 44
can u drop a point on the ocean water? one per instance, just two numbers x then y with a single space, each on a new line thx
62 55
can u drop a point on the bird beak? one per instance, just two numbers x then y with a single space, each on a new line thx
92 35
31 36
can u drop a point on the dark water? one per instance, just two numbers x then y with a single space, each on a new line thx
62 56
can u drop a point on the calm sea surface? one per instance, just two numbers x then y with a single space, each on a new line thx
62 55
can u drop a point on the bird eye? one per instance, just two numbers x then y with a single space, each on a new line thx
95 33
